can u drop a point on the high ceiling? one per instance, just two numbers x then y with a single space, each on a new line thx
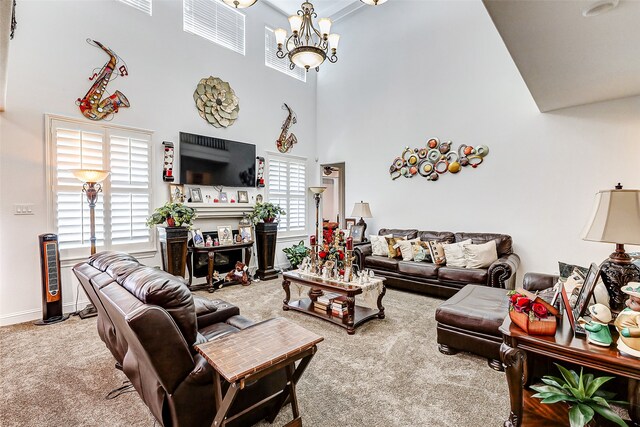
567 59
324 8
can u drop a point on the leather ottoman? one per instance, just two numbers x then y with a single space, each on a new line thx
469 321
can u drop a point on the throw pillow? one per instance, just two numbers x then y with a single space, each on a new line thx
406 248
421 247
392 250
379 245
480 256
567 270
437 252
454 253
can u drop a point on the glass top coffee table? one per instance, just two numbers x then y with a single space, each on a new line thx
354 316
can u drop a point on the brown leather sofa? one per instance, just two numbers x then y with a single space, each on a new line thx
469 320
150 321
436 280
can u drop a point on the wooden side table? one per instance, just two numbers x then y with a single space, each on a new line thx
253 353
211 252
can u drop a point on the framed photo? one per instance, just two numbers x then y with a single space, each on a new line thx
246 233
259 198
197 237
243 197
586 291
356 232
350 222
225 235
196 195
176 193
223 198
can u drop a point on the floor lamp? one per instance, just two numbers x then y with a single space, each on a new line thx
616 219
91 179
317 191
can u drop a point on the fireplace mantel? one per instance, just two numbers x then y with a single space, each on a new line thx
221 210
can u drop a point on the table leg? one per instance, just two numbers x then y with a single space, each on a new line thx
210 269
380 307
287 294
247 260
217 389
295 376
634 401
292 392
229 397
514 360
351 310
190 266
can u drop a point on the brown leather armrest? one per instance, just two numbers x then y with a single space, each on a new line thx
361 252
538 281
502 273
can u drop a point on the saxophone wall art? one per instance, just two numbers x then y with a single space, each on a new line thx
97 104
285 143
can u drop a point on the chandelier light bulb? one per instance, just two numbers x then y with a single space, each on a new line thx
296 23
373 2
240 4
325 26
334 39
281 35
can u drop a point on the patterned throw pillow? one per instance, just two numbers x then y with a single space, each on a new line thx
420 247
437 252
566 270
393 251
406 248
379 245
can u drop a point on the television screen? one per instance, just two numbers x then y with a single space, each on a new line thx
205 160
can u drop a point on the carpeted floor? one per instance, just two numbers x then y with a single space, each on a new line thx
389 373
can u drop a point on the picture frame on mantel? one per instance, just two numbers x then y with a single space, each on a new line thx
243 196
223 197
196 195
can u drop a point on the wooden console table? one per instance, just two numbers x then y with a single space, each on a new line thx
517 347
356 315
252 353
211 251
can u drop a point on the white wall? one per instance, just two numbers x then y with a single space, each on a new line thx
49 69
439 68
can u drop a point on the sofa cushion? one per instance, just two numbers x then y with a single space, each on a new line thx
418 269
503 242
396 232
463 275
222 313
440 236
480 256
386 263
475 308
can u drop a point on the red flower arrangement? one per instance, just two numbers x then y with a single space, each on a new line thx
531 313
523 304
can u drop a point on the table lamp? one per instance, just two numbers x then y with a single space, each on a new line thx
362 210
616 219
91 187
317 191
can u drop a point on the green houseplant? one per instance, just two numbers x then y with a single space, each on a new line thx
266 212
296 253
174 214
582 393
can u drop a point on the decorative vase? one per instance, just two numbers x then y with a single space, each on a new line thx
533 327
173 249
171 222
266 235
269 220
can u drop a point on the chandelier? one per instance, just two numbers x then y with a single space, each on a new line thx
373 2
307 47
240 4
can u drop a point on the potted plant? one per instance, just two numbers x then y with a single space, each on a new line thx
296 253
264 217
174 236
583 395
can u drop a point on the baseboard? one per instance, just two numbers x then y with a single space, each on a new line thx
35 314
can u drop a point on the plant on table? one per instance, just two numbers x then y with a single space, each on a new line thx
296 253
266 212
582 393
174 214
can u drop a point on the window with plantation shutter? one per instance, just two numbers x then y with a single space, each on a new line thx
272 61
125 202
141 5
287 187
216 22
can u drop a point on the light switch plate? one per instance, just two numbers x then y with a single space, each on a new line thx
23 209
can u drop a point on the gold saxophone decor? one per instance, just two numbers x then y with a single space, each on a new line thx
285 143
97 104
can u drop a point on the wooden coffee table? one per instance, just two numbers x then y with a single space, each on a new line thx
356 315
518 347
252 353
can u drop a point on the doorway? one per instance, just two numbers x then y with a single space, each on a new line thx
333 204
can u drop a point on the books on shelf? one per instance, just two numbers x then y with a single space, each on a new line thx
327 298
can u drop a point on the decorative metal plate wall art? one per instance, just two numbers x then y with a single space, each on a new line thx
435 159
217 103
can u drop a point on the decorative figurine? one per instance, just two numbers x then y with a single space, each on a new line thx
239 274
598 332
209 242
628 322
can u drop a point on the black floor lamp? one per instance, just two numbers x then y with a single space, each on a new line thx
317 191
91 179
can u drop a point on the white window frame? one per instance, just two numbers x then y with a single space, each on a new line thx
208 34
145 6
71 255
284 233
283 64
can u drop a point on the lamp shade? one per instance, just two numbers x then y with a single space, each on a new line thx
361 210
615 218
317 190
90 175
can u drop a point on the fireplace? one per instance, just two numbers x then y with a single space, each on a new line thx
224 261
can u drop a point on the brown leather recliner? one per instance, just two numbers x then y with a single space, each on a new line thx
150 321
441 281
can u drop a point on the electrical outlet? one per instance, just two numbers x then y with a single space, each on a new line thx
23 209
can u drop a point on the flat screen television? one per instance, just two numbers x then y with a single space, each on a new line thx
205 160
